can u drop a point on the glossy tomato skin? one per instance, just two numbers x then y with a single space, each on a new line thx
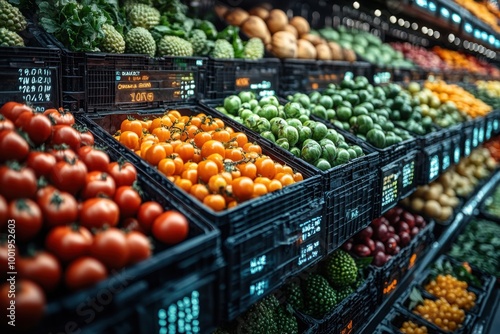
97 212
69 242
63 153
5 123
128 200
171 227
60 117
65 134
95 160
23 119
12 110
13 146
58 208
30 303
42 268
139 246
69 176
84 272
87 138
28 218
97 184
147 214
124 174
38 128
110 247
17 182
41 162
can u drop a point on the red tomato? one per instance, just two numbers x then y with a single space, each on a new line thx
97 212
124 173
84 272
60 117
69 176
29 303
12 146
147 214
41 162
98 183
69 242
94 159
63 153
38 128
171 227
87 138
65 134
45 190
3 213
128 200
110 247
139 246
28 218
5 123
132 224
58 208
11 110
42 268
17 182
23 118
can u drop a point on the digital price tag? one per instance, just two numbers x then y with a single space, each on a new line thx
182 316
467 147
262 81
413 259
308 253
431 6
390 190
258 288
489 130
408 176
455 18
481 135
446 161
434 167
390 286
258 264
475 137
319 81
496 125
444 13
36 86
422 3
456 154
153 86
382 78
310 228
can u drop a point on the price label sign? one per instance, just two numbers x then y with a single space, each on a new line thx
320 81
390 286
382 78
263 81
467 147
259 288
153 86
408 175
182 316
496 125
489 130
310 228
455 18
456 155
445 13
413 259
475 137
390 190
434 167
446 161
347 329
481 135
308 253
258 264
36 86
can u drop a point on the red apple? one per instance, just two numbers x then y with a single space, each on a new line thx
362 250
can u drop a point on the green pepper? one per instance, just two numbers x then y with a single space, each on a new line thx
208 28
239 48
228 33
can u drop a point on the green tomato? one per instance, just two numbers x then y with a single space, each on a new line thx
246 96
295 122
304 134
295 151
329 153
293 110
276 124
268 135
245 113
326 101
319 131
268 111
343 114
283 143
319 111
253 104
232 104
332 135
311 151
252 121
322 164
292 135
263 125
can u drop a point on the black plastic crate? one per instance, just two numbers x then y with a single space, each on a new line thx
199 255
496 122
390 274
95 81
489 124
487 201
306 75
431 158
262 258
403 304
350 314
396 317
31 74
230 76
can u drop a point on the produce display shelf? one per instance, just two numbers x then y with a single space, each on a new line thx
443 242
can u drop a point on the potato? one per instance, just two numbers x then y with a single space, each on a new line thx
323 52
259 11
446 213
432 209
276 20
337 53
236 17
305 50
292 30
444 200
432 194
284 45
450 192
300 24
256 27
417 204
454 201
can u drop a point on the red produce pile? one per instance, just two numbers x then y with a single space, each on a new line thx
420 56
386 235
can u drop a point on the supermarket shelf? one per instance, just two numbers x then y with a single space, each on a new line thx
446 238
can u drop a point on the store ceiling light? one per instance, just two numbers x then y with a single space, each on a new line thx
355 4
466 44
424 30
377 12
393 19
414 26
401 22
451 38
407 24
457 41
430 32
437 34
